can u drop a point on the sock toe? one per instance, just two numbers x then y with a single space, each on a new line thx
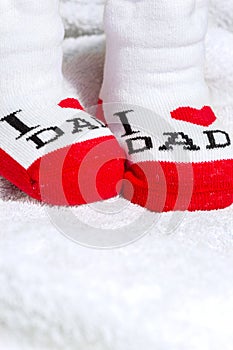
166 186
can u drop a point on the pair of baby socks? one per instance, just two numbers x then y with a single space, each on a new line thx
155 102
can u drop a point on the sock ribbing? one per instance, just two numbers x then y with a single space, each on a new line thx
157 51
31 54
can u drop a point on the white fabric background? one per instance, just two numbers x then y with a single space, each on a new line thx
82 16
164 291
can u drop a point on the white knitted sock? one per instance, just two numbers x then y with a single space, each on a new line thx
44 139
155 59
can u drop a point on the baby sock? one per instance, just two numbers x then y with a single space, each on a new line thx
49 147
157 103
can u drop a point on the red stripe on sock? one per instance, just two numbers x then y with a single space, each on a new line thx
164 186
78 174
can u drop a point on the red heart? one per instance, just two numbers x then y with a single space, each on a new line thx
203 117
70 103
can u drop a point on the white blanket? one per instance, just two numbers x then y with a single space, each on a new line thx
170 290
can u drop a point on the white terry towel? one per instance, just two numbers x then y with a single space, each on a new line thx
221 13
82 17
